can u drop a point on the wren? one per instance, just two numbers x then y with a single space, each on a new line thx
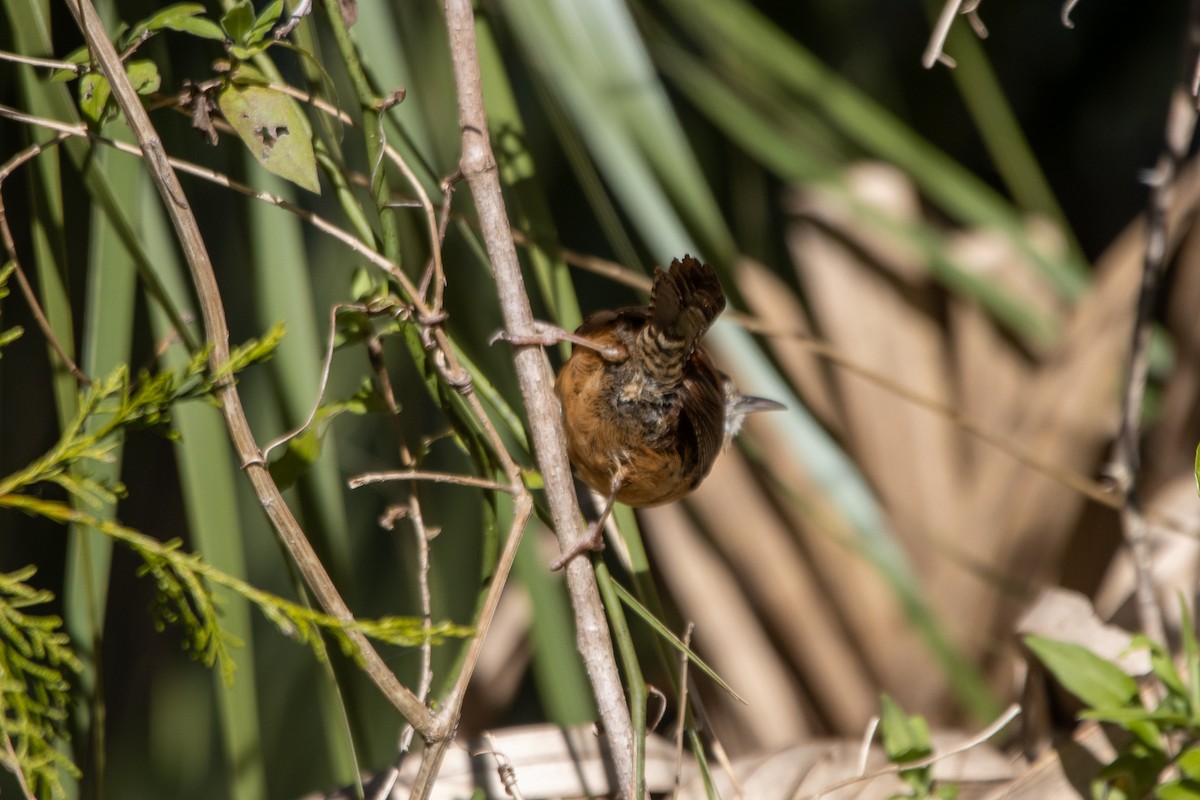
645 410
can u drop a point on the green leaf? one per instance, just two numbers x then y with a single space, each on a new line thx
63 75
123 37
253 351
1191 658
1098 683
79 56
265 21
248 74
905 738
1131 775
301 454
143 74
165 18
1197 470
249 51
1189 763
1163 667
1125 716
1147 733
1179 789
271 125
202 27
666 633
171 17
238 21
9 336
353 327
303 451
94 92
533 480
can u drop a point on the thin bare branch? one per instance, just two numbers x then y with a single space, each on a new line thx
937 39
1180 128
1001 722
478 166
504 768
681 716
864 751
15 764
412 510
435 751
359 481
972 15
1067 8
302 10
10 248
320 223
322 385
33 61
422 540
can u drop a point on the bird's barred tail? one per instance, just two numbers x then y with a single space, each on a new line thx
685 301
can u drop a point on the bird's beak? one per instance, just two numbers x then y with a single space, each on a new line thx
749 405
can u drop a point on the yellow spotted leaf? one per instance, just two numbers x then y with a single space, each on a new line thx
273 128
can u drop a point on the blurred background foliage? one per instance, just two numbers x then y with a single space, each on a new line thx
957 232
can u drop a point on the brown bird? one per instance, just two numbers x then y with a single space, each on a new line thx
645 410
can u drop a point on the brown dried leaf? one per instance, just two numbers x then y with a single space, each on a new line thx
1069 617
778 309
729 636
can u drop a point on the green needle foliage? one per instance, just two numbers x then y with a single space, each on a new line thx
35 656
7 335
185 598
124 404
36 661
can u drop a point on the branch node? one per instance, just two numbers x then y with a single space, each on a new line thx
255 460
393 99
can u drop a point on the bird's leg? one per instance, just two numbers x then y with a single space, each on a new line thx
594 539
545 334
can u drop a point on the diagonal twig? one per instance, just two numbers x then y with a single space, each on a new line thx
10 247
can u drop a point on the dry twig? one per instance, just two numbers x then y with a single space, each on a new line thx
934 52
478 166
1123 467
10 248
1010 713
